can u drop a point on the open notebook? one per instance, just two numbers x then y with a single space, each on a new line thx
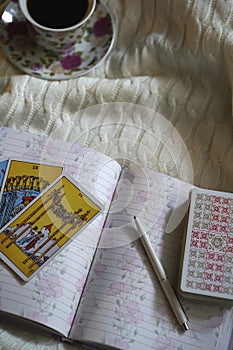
101 289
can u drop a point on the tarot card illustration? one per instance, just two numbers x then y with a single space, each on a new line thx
23 181
46 225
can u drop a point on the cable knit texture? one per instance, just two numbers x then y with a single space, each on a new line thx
170 56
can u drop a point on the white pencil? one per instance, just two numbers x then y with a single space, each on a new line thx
161 274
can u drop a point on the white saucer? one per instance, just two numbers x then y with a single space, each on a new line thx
34 60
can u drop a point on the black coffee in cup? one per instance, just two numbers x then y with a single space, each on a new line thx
57 14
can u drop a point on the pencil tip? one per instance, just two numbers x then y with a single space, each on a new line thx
134 217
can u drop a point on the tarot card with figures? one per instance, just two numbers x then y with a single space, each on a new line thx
22 182
46 225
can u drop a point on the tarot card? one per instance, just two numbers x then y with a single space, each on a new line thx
46 225
208 254
22 182
3 167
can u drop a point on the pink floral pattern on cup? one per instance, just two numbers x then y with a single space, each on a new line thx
75 58
102 27
71 62
56 39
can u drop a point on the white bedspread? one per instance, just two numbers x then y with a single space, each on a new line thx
173 57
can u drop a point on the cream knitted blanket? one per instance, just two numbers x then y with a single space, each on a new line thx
173 57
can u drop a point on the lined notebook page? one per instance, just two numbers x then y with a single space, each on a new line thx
52 295
123 304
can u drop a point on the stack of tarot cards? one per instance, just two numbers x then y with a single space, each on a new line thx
41 210
207 265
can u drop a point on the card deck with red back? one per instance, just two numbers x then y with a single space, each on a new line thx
207 266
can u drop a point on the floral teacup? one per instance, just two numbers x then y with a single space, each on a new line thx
57 40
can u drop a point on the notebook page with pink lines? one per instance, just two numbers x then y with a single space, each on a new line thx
51 297
123 305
